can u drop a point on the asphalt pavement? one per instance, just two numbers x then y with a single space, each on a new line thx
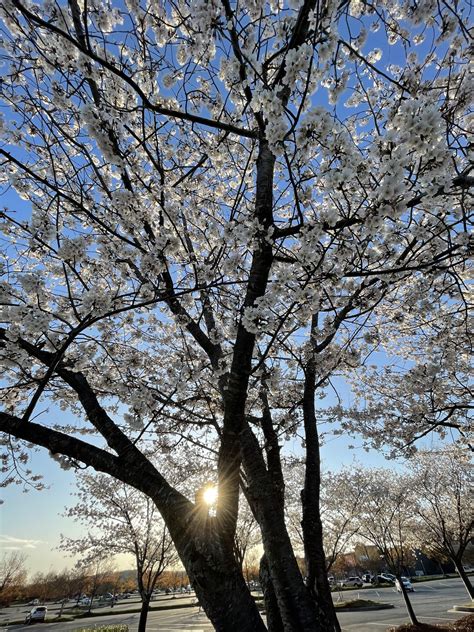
431 601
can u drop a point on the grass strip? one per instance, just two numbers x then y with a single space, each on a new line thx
362 604
104 628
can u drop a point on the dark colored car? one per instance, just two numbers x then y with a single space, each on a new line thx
382 579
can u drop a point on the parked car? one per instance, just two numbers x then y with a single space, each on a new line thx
351 581
367 577
383 579
388 577
406 583
84 601
38 613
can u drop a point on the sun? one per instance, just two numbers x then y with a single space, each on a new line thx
210 495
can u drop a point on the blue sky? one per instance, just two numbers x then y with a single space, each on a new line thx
31 522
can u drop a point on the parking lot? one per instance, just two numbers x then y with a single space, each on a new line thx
432 602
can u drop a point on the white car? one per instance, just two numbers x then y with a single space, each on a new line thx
84 601
406 583
351 581
38 613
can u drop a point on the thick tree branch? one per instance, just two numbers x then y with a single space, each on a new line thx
237 386
59 443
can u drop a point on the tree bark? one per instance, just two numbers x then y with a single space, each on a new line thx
144 612
464 576
274 622
406 599
224 596
298 611
317 580
215 574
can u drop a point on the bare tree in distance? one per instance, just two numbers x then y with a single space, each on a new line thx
12 574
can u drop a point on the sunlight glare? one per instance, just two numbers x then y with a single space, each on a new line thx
210 495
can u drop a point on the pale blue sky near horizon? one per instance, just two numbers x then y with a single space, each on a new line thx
32 523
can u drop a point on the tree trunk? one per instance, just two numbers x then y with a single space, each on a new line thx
91 600
317 579
409 607
224 596
297 610
463 575
215 575
144 612
274 622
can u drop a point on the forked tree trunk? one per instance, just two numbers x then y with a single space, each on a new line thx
317 580
464 576
223 594
297 609
215 576
406 599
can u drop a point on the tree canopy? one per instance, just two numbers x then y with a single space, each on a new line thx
217 197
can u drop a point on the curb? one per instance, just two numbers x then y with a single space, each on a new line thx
84 617
364 609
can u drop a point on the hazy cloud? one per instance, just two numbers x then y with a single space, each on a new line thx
10 543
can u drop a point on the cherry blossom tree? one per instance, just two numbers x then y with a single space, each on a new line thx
339 519
443 503
385 517
425 386
121 520
215 198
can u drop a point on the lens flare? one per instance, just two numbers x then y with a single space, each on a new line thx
210 495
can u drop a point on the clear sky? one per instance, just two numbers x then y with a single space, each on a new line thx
31 522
